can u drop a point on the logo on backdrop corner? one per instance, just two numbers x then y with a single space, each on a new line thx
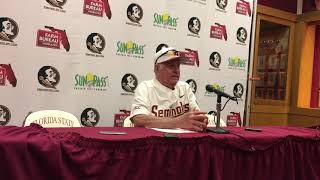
5 115
134 14
56 5
9 30
193 85
222 4
130 49
97 8
90 117
7 75
238 90
165 21
215 61
194 25
48 77
129 83
52 38
243 7
95 43
242 35
218 31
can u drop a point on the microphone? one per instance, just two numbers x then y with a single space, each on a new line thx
211 88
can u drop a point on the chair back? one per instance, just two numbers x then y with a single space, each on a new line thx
52 118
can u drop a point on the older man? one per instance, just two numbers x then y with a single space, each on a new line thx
166 102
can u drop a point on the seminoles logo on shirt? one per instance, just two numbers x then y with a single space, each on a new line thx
193 85
134 13
222 4
194 25
242 34
90 117
96 43
8 29
215 59
7 75
48 77
5 115
238 90
129 83
174 111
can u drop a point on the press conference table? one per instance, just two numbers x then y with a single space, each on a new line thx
82 153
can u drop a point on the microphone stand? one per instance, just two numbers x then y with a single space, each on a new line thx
218 129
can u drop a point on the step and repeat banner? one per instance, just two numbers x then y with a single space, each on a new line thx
87 57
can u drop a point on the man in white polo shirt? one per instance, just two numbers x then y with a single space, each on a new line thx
166 102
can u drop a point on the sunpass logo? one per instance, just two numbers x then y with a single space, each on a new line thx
237 63
216 86
130 49
165 21
91 82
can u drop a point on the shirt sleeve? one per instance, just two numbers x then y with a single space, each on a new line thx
192 99
141 103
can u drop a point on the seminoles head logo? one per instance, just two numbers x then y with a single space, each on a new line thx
129 83
193 85
48 77
134 12
194 25
8 29
160 46
215 59
96 43
242 34
90 117
222 4
238 90
5 115
57 3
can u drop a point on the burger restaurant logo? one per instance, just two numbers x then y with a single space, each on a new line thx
222 4
55 5
49 78
134 14
194 27
95 44
9 30
216 86
193 85
53 38
129 83
130 49
202 2
7 77
5 115
237 64
165 21
90 117
243 7
238 90
215 61
91 82
218 31
242 35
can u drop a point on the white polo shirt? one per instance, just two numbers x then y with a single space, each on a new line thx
153 98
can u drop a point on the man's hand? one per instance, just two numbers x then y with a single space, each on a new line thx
193 120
